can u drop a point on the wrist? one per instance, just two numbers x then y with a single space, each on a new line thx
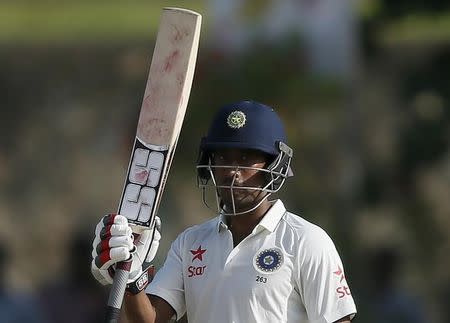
141 282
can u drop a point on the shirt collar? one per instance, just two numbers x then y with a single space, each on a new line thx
273 216
221 223
268 222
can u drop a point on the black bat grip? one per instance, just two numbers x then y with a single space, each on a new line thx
117 291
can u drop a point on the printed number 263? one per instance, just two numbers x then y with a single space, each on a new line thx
261 279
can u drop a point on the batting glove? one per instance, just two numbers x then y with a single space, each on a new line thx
115 242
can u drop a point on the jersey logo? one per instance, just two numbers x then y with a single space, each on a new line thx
236 119
198 254
342 290
339 273
196 271
268 260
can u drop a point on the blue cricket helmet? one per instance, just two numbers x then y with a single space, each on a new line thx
246 125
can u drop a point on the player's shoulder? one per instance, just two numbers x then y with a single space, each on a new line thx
306 233
199 230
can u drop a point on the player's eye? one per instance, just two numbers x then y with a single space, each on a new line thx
217 157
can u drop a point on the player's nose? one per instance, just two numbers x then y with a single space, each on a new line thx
232 175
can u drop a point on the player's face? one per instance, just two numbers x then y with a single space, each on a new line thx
233 174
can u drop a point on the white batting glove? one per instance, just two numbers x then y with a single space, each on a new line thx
115 242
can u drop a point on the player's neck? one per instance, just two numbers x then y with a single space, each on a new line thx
242 225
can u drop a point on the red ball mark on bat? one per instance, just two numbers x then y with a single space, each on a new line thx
170 61
141 176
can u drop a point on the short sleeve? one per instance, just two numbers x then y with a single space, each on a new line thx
321 279
168 282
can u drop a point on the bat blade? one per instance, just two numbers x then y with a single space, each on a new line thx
162 113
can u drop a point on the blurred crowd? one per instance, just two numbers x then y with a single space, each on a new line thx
364 91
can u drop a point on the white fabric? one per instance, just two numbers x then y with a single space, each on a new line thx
123 246
214 282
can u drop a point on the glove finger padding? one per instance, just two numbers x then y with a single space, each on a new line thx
115 230
107 258
113 243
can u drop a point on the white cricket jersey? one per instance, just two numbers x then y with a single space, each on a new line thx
286 270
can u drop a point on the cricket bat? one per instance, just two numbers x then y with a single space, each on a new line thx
161 116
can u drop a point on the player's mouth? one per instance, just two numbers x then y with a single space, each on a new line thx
235 195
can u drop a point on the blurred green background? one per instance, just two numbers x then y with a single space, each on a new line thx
363 87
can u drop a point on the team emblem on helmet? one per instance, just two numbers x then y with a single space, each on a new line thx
269 260
236 119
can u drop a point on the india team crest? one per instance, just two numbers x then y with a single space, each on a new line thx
236 119
268 260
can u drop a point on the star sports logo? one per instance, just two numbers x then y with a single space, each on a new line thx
340 273
198 254
342 290
194 271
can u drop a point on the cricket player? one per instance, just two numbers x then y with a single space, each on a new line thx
254 262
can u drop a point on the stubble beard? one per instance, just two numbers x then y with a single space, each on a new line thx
243 199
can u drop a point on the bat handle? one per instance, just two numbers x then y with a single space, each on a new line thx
117 291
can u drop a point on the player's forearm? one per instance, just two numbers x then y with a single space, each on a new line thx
139 309
345 319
